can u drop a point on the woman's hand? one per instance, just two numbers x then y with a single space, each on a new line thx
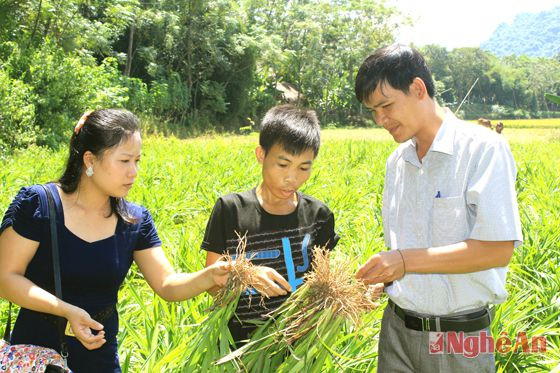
270 283
219 273
82 325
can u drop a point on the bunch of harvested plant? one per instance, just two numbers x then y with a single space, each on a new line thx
298 336
212 338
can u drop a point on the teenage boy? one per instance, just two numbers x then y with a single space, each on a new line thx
450 220
281 224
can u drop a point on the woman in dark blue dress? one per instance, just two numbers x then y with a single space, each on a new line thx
100 235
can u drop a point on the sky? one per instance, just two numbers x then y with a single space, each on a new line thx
461 23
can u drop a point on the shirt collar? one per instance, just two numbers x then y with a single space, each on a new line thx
443 142
409 152
445 137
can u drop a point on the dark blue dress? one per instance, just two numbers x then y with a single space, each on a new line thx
91 274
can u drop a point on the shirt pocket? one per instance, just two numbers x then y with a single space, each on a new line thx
449 221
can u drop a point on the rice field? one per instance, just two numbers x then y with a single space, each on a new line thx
530 123
546 123
180 180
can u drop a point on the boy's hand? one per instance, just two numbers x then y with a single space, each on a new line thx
270 283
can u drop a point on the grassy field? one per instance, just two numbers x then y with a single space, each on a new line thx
530 123
181 179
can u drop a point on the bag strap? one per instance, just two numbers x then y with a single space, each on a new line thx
57 280
8 329
56 269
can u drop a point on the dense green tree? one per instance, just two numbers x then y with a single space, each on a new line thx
438 59
505 87
318 46
216 64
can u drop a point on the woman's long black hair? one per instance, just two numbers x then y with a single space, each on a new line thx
102 130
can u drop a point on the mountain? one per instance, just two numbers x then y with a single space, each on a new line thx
533 34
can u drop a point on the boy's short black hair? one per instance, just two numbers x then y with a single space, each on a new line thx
395 64
295 129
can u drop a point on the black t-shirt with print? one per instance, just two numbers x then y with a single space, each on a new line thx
281 242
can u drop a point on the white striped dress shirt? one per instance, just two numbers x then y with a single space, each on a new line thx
464 188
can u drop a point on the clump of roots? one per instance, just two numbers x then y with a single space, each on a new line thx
329 298
242 276
331 285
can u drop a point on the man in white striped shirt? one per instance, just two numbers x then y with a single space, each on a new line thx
450 219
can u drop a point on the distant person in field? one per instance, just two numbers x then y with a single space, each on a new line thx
499 127
450 235
100 234
485 122
281 224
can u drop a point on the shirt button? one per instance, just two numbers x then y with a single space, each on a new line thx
421 172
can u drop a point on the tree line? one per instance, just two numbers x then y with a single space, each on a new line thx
201 65
500 87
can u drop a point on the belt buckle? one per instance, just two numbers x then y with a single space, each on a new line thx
425 324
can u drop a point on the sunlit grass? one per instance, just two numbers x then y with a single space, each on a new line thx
527 123
181 179
531 123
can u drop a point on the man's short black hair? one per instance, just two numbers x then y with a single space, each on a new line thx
395 64
295 129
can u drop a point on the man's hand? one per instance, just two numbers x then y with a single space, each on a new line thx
374 291
383 267
270 283
373 294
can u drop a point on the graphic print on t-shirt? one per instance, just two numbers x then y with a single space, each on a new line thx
287 251
292 270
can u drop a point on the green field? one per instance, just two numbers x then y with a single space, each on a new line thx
530 123
515 130
548 123
180 180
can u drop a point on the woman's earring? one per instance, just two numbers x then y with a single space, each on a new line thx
89 171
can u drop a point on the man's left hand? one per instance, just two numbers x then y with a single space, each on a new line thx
383 267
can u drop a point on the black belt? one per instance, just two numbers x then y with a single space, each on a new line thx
469 322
